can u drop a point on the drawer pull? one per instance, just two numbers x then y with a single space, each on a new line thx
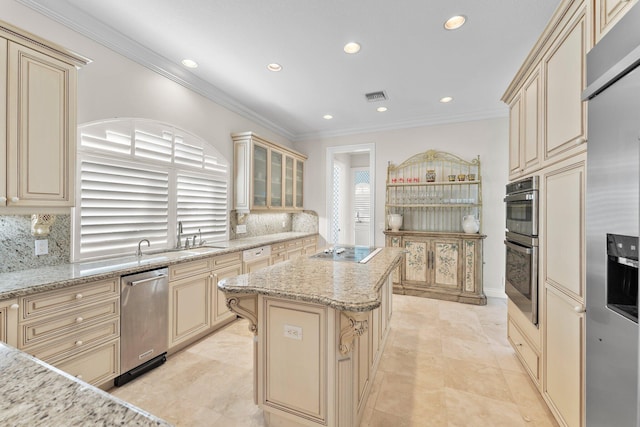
79 296
79 343
14 306
79 320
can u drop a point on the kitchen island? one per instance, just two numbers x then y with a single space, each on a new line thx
320 327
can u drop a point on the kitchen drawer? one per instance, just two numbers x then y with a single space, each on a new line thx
278 257
48 328
47 303
307 241
95 366
525 351
278 247
76 342
187 269
294 244
222 261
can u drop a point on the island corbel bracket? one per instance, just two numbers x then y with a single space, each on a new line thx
245 306
356 325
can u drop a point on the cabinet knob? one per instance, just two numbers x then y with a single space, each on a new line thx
579 309
14 306
79 296
79 376
15 199
3 199
581 140
79 343
79 320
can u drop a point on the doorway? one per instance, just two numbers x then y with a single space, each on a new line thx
351 195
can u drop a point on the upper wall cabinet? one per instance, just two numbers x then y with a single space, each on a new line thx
547 117
39 115
564 68
606 13
267 176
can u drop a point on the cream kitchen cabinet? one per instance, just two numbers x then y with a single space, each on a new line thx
39 116
441 265
267 176
74 326
189 301
223 267
606 13
565 114
525 142
9 322
563 257
564 357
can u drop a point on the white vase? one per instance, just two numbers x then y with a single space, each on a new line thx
395 221
470 224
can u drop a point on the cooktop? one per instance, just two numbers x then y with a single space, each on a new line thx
361 254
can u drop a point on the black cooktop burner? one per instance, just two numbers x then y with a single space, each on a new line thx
348 253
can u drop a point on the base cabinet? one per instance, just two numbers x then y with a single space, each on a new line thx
440 265
75 329
563 385
188 307
9 322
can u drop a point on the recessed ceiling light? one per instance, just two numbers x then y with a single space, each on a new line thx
327 117
352 47
455 22
381 109
274 67
189 63
446 99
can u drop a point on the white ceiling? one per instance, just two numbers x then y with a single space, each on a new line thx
405 51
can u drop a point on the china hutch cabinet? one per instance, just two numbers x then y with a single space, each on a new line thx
267 176
436 193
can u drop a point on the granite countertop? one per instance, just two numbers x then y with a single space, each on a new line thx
35 393
24 282
348 286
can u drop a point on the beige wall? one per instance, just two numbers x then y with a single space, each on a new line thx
487 138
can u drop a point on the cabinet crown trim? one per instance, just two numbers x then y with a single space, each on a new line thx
252 136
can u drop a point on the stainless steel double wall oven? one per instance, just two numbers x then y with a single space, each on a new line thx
521 241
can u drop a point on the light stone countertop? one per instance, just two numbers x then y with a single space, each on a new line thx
34 393
19 283
343 285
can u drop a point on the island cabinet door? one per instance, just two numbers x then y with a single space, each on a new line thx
293 359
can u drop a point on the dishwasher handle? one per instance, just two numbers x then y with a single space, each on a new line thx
149 279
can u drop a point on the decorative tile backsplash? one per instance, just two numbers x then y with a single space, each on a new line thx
17 245
260 224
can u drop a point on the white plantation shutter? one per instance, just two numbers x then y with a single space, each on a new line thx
202 205
118 205
138 178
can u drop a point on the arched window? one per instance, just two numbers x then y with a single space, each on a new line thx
137 180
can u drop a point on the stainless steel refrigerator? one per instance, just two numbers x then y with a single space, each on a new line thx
612 224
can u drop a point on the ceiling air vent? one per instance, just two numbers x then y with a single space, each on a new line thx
376 96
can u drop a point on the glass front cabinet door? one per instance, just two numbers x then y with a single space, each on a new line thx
260 154
276 180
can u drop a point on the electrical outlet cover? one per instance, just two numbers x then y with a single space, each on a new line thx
42 247
241 228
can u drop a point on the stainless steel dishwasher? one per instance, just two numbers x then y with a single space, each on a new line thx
144 323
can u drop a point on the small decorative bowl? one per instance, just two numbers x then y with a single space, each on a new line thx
461 177
430 175
471 176
452 177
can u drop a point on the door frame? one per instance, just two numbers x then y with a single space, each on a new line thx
351 149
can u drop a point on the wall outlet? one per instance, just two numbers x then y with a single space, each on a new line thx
241 228
293 332
42 247
284 224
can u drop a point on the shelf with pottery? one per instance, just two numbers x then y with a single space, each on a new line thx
434 208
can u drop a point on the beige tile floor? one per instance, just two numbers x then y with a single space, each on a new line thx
445 364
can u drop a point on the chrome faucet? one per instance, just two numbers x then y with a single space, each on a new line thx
179 243
139 253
